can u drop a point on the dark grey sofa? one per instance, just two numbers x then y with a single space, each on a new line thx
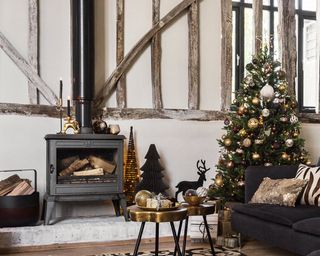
296 229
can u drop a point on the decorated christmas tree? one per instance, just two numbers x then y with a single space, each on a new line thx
152 173
262 127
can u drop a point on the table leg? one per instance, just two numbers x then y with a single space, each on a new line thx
179 232
208 233
157 239
185 236
136 249
175 238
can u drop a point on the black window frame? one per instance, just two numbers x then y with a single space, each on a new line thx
239 68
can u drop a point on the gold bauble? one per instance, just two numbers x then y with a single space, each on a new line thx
230 164
247 142
218 180
241 110
282 88
242 132
308 162
295 134
255 156
227 142
284 156
253 123
141 197
255 101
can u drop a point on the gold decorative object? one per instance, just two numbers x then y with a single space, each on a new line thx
255 156
218 180
282 88
253 123
141 197
242 132
230 164
227 142
194 200
131 175
247 142
114 129
255 101
72 124
241 110
284 156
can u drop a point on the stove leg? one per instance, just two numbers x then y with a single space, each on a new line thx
123 203
49 207
116 206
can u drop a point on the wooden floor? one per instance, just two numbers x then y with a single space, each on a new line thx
251 248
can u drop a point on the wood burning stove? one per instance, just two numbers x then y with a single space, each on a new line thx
80 154
84 166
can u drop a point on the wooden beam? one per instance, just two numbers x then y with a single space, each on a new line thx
156 53
29 110
257 8
139 47
121 85
287 37
226 54
33 42
318 58
28 70
194 56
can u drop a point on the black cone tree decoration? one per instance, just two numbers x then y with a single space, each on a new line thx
152 173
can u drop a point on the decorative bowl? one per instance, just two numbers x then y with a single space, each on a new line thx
194 200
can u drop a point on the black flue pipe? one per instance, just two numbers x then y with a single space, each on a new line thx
82 13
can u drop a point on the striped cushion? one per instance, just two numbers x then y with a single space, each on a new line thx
311 193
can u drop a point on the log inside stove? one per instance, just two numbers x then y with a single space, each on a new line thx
91 169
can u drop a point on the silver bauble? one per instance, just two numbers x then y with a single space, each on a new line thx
294 119
265 112
289 143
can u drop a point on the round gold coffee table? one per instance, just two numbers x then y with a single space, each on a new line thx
143 216
200 210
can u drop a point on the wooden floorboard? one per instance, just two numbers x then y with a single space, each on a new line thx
251 248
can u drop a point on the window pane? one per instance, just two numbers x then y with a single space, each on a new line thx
276 36
309 5
309 63
266 2
248 1
234 25
248 37
266 27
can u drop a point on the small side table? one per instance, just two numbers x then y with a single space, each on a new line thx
139 215
200 210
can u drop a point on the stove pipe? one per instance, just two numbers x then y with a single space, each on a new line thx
82 12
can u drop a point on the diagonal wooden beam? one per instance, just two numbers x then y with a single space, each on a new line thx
287 36
33 43
194 56
28 70
156 53
226 54
132 55
257 8
121 86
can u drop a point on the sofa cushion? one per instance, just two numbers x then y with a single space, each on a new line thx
279 191
278 214
310 226
311 193
314 253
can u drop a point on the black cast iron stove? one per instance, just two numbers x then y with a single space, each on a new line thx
85 166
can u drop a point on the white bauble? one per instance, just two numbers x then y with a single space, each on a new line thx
265 112
294 119
289 143
267 91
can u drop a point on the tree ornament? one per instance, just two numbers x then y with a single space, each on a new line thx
294 104
218 180
239 151
241 110
235 101
294 119
230 164
267 68
247 142
267 91
284 156
296 133
255 101
141 197
282 88
227 142
267 164
241 183
308 162
253 123
242 132
265 112
255 156
289 143
258 141
275 145
227 121
235 129
284 119
281 75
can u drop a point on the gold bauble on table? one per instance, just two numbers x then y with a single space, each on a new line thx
242 132
284 156
255 156
141 197
227 142
247 142
255 101
253 123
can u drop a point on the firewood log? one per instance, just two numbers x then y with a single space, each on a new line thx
92 172
66 162
75 166
98 162
23 188
8 184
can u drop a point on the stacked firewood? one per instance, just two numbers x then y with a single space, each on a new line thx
15 186
90 166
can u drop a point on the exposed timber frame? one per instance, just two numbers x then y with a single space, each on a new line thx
226 54
287 37
122 84
318 57
257 8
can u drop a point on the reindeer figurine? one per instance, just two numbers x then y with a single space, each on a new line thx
183 186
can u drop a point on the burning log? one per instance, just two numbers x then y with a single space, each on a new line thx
75 166
92 172
97 162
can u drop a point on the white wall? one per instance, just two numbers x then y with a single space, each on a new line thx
179 143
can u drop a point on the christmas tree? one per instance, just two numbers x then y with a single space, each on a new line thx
152 173
261 129
131 170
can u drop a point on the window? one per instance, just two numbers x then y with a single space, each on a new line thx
306 44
